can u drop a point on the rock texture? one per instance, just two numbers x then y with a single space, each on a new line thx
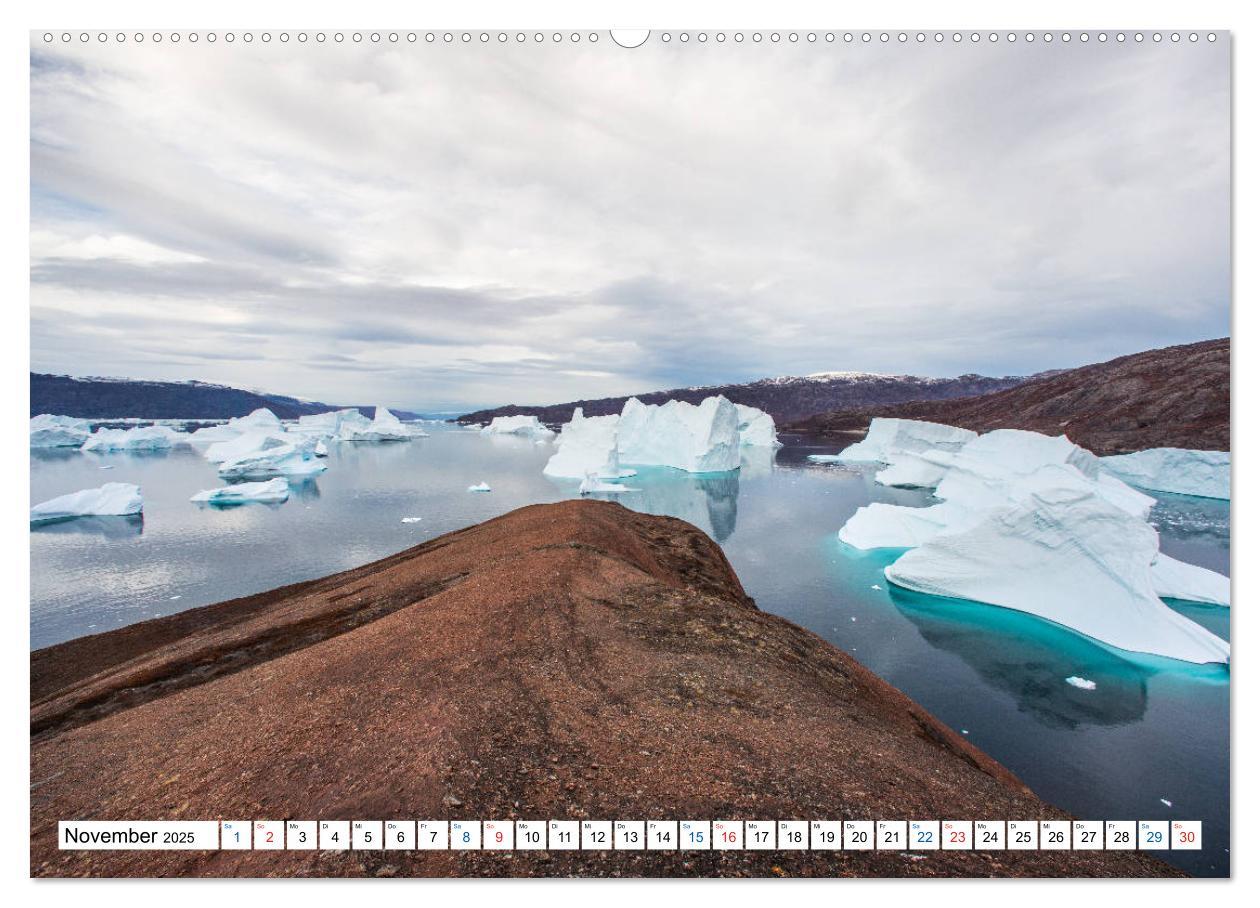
786 398
566 661
1175 397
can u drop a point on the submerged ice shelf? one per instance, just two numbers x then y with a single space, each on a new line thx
1033 523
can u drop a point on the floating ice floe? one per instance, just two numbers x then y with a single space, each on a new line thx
286 461
144 438
587 446
1033 523
697 438
321 449
114 499
385 427
824 458
49 431
888 437
412 519
517 425
1184 472
1082 683
756 427
480 487
592 484
251 442
273 490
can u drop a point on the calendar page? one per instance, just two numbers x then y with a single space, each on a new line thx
629 452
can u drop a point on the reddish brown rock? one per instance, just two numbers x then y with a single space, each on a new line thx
1176 397
564 661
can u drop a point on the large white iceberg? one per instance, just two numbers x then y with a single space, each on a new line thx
1069 557
114 499
49 431
698 438
1034 523
1201 473
587 446
385 427
270 455
144 438
517 425
756 427
273 490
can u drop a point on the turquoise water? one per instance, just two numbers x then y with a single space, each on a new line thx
1153 729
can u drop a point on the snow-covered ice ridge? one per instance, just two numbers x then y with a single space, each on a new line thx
696 438
1201 473
114 499
1033 523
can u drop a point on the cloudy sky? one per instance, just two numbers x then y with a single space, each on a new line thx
434 226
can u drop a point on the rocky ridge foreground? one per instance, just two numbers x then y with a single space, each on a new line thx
1175 397
564 661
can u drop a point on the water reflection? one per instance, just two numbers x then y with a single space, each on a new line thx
705 500
1028 659
108 527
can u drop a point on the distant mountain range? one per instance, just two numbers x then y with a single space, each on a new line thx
116 398
1171 397
786 399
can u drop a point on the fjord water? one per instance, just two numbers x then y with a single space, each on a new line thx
1153 729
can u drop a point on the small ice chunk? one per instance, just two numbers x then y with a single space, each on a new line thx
593 484
480 487
114 499
412 519
1165 802
824 458
273 490
1082 683
108 466
321 449
876 586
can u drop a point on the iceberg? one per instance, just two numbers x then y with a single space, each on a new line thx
888 437
262 418
480 487
331 425
701 438
1178 580
1082 683
592 484
517 425
1069 557
114 499
1177 470
248 443
292 459
1037 524
756 427
145 438
321 449
385 427
273 490
587 446
49 431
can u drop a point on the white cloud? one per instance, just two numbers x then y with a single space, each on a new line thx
433 225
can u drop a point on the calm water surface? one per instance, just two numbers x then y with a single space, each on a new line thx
1153 729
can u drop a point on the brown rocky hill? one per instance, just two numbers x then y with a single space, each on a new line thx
1173 397
564 661
787 398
